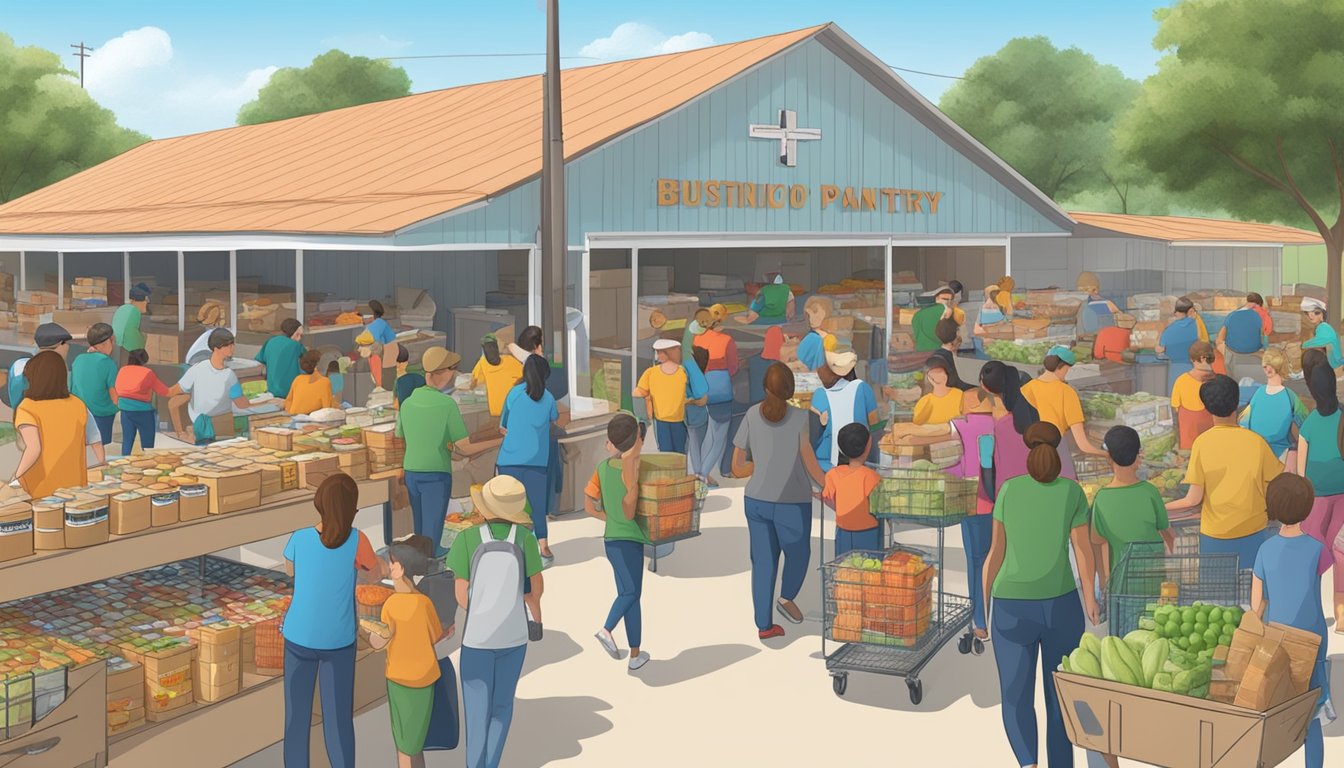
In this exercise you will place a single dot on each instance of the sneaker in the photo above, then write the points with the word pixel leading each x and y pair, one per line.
pixel 789 610
pixel 639 661
pixel 547 561
pixel 608 644
pixel 774 631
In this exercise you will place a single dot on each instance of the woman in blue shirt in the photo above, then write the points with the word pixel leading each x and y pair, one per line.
pixel 845 400
pixel 1274 409
pixel 529 412
pixel 1176 340
pixel 1324 337
pixel 1319 451
pixel 383 334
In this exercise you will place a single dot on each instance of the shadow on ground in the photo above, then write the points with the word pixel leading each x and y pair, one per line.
pixel 554 728
pixel 693 663
pixel 553 648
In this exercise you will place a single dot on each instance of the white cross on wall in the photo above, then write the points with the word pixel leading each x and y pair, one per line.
pixel 787 133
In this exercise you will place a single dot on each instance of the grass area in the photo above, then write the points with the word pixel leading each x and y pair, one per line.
pixel 7 433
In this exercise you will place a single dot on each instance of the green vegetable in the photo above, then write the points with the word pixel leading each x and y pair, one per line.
pixel 1162 681
pixel 1091 643
pixel 1153 657
pixel 1084 663
pixel 1181 682
pixel 1116 662
pixel 1139 639
pixel 1064 665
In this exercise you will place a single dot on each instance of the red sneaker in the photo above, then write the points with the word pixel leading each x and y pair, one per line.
pixel 774 631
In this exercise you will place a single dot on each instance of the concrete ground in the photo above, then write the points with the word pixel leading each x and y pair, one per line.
pixel 713 693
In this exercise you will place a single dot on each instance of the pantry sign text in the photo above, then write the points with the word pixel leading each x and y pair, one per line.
pixel 745 194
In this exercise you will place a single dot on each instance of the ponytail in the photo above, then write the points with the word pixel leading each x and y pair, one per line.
pixel 1001 379
pixel 1043 462
pixel 779 386
pixel 1321 383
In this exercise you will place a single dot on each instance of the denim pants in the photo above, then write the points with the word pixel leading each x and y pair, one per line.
pixel 429 493
pixel 489 682
pixel 336 669
pixel 671 436
pixel 775 528
pixel 866 541
pixel 1024 632
pixel 976 531
pixel 536 482
pixel 716 438
pixel 1245 547
pixel 105 427
pixel 142 423
pixel 696 437
pixel 627 563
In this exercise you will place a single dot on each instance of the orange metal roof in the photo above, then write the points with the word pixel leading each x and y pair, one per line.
pixel 1178 229
pixel 374 168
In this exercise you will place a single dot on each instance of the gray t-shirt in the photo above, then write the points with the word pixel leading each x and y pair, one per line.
pixel 779 476
pixel 212 389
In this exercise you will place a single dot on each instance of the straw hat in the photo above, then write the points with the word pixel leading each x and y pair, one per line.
pixel 841 363
pixel 438 358
pixel 503 499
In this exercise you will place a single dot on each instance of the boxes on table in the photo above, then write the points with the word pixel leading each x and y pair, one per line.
pixel 231 490
pixel 167 676
pixel 125 695
pixel 128 513
pixel 354 461
pixel 16 530
pixel 217 673
pixel 86 522
pixel 165 508
pixel 316 467
pixel 49 523
pixel 193 502
pixel 277 438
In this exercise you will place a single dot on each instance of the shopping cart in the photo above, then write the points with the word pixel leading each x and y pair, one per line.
pixel 1147 576
pixel 667 522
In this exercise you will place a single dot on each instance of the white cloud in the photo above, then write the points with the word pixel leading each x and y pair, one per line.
pixel 633 40
pixel 138 76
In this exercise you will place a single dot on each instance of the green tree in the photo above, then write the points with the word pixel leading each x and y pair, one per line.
pixel 49 127
pixel 1048 112
pixel 334 80
pixel 1246 113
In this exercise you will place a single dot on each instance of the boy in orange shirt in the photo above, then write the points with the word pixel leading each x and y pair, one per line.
pixel 847 489
pixel 1192 419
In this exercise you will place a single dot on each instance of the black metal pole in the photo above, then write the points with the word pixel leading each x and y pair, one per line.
pixel 553 241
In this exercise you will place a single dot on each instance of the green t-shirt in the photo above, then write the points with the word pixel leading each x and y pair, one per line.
pixel 429 421
pixel 612 485
pixel 464 547
pixel 1037 519
pixel 775 299
pixel 280 354
pixel 91 375
pixel 1325 469
pixel 1127 515
pixel 126 327
pixel 924 323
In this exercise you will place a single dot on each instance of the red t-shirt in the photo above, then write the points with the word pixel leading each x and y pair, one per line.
pixel 137 382
pixel 1110 343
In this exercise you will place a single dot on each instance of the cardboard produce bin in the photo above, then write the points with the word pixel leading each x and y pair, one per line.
pixel 1168 729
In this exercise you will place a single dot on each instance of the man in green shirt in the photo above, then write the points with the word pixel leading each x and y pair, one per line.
pixel 925 322
pixel 1129 510
pixel 773 304
pixel 430 422
pixel 280 354
pixel 93 378
pixel 126 321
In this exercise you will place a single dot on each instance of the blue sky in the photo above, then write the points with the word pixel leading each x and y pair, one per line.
pixel 169 68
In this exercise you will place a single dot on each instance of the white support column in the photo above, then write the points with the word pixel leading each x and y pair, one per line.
pixel 1008 256
pixel 298 283
pixel 60 279
pixel 233 291
pixel 125 276
pixel 585 289
pixel 23 270
pixel 634 314
pixel 534 286
pixel 887 269
pixel 181 291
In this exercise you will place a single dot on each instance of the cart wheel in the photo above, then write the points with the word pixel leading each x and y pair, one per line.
pixel 916 691
pixel 978 646
pixel 839 683
pixel 964 645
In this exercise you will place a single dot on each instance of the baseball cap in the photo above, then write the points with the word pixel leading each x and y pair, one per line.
pixel 841 363
pixel 1313 305
pixel 438 358
pixel 98 333
pixel 1063 353
pixel 139 292
pixel 662 344
pixel 49 335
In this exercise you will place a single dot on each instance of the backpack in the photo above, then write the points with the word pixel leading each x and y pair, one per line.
pixel 496 618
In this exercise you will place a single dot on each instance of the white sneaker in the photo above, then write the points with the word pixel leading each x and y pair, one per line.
pixel 639 661
pixel 608 644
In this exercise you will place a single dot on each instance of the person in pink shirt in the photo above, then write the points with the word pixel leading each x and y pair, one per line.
pixel 977 529
pixel 136 387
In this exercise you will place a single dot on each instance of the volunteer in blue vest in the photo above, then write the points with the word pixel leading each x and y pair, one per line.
pixel 1242 339
pixel 49 337
pixel 431 424
pixel 1323 336
pixel 492 561
pixel 773 304
pixel 93 379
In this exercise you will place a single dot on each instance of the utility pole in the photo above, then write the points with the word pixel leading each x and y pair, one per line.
pixel 82 51
pixel 554 245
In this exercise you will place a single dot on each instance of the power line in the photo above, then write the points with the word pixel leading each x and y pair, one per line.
pixel 930 74
pixel 480 56
pixel 81 51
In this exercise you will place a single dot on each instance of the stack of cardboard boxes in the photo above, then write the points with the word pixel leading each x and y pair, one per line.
pixel 34 308
pixel 386 450
pixel 88 293
pixel 167 679
pixel 125 695
pixel 217 674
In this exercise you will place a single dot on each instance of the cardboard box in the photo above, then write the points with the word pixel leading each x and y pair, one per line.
pixel 86 522
pixel 382 436
pixel 1267 681
pixel 193 502
pixel 610 315
pixel 610 278
pixel 1300 646
pixel 231 490
pixel 210 694
pixel 128 513
pixel 1160 728
pixel 316 467
pixel 164 509
pixel 219 635
pixel 216 673
pixel 16 531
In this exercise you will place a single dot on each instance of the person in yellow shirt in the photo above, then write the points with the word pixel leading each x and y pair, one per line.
pixel 943 402
pixel 55 427
pixel 664 386
pixel 410 630
pixel 1230 468
pixel 1059 404
pixel 1192 418
pixel 498 373
pixel 311 391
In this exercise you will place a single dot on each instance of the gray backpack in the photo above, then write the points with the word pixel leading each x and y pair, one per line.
pixel 496 617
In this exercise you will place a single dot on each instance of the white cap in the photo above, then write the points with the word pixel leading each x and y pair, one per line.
pixel 1312 305
pixel 841 363
pixel 662 344
pixel 779 279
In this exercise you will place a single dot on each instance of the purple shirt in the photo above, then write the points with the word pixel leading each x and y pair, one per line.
pixel 970 428
pixel 1010 452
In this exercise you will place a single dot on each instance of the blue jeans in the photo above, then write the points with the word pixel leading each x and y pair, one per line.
pixel 671 436
pixel 848 541
pixel 627 562
pixel 303 667
pixel 535 481
pixel 105 427
pixel 774 528
pixel 976 531
pixel 696 437
pixel 1320 678
pixel 716 438
pixel 1025 631
pixel 1245 548
pixel 143 423
pixel 429 492
pixel 489 682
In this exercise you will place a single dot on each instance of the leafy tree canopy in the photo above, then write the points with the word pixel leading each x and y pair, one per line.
pixel 334 80
pixel 49 127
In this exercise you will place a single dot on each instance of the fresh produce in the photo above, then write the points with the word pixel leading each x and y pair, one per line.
pixel 1154 656
pixel 1119 662
pixel 1197 628
pixel 1084 662
pixel 1141 659
pixel 1012 352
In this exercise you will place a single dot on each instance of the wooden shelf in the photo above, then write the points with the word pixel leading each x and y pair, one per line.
pixel 49 571
pixel 225 732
